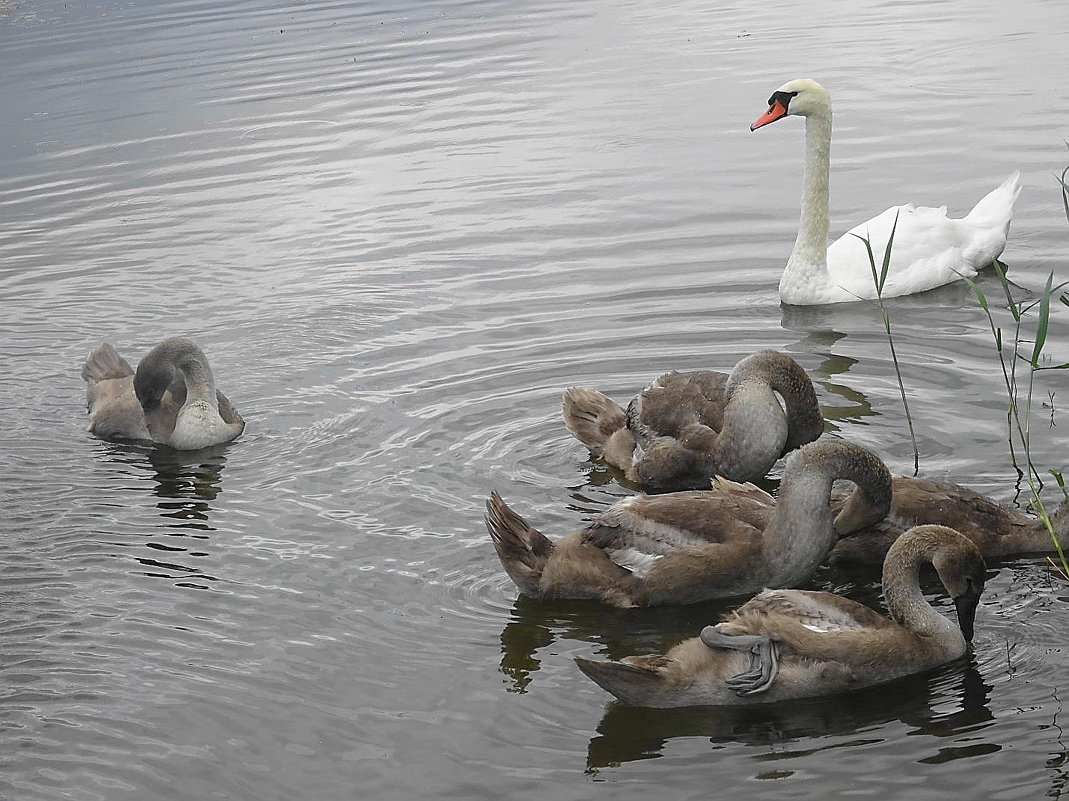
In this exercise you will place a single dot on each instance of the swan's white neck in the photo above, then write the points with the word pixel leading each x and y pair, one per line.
pixel 806 278
pixel 812 243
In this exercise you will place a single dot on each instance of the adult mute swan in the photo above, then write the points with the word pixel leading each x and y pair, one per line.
pixel 929 249
pixel 170 400
pixel 686 547
pixel 685 428
pixel 786 644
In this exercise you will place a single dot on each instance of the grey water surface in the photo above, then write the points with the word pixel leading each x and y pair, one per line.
pixel 400 230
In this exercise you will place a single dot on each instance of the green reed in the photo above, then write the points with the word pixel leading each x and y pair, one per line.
pixel 879 278
pixel 1012 353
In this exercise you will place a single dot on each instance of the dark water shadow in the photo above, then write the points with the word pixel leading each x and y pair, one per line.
pixel 1058 762
pixel 187 482
pixel 186 485
pixel 538 623
pixel 626 733
pixel 821 329
pixel 856 404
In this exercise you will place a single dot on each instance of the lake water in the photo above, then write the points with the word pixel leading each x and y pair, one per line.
pixel 400 231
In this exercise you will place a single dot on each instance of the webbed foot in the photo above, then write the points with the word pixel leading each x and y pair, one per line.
pixel 764 661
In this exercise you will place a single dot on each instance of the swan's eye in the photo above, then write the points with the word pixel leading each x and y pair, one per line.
pixel 783 98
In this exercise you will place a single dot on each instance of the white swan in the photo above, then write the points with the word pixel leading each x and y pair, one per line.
pixel 171 400
pixel 929 249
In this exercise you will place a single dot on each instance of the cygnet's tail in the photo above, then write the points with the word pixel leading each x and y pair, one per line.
pixel 630 683
pixel 599 423
pixel 995 209
pixel 523 550
pixel 105 363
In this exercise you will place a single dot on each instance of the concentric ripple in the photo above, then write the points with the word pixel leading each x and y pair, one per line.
pixel 399 233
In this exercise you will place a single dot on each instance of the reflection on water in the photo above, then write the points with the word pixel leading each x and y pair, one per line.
pixel 1058 763
pixel 536 624
pixel 186 484
pixel 193 476
pixel 819 342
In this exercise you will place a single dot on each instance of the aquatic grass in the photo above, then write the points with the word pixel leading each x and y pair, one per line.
pixel 879 279
pixel 1018 421
pixel 1011 354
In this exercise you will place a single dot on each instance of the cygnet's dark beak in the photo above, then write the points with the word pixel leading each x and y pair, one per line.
pixel 965 605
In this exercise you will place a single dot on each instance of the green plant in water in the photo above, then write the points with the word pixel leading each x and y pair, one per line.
pixel 879 278
pixel 1018 420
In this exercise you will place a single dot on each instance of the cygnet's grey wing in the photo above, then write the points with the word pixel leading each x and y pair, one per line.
pixel 816 611
pixel 659 524
pixel 676 400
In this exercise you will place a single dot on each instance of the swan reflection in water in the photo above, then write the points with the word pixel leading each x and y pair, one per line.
pixel 820 329
pixel 818 343
pixel 188 481
pixel 185 484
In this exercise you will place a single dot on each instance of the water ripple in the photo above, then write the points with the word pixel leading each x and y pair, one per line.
pixel 400 233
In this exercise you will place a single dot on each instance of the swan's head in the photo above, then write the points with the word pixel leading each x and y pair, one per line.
pixel 802 97
pixel 962 570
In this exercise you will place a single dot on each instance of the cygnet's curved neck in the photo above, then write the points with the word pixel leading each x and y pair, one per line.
pixel 902 594
pixel 200 384
pixel 802 530
pixel 804 420
pixel 811 246
pixel 164 364
pixel 752 433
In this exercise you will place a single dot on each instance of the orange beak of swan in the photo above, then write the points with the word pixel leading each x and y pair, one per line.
pixel 775 111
